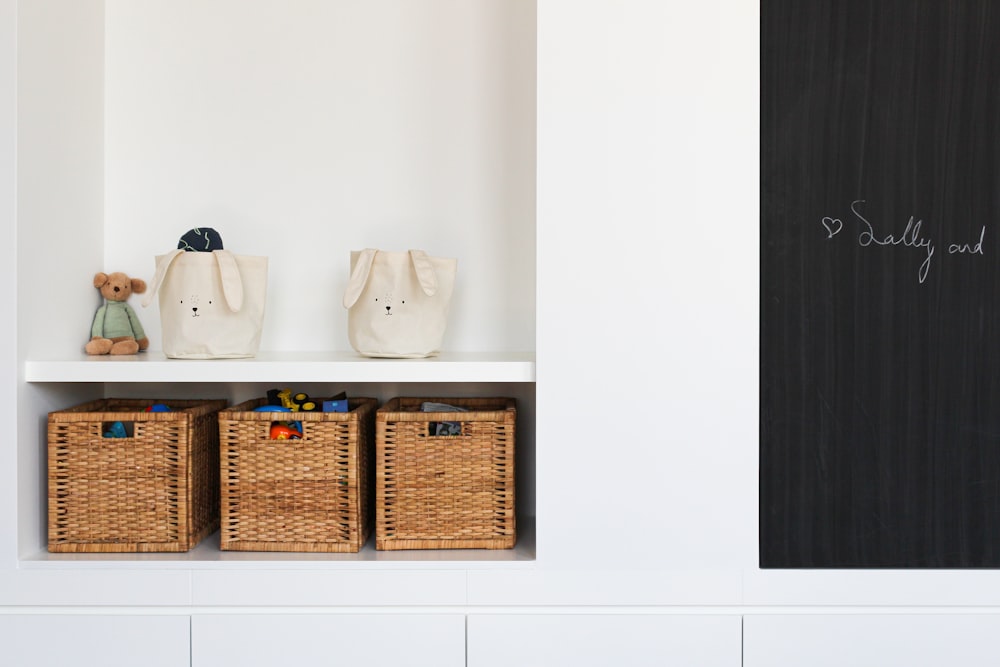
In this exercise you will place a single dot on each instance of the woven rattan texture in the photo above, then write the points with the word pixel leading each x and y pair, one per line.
pixel 312 494
pixel 157 490
pixel 449 491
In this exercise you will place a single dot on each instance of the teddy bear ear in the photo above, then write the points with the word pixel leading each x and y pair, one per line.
pixel 100 280
pixel 138 285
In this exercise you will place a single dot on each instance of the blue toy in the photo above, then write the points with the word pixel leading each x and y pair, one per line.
pixel 335 406
pixel 116 430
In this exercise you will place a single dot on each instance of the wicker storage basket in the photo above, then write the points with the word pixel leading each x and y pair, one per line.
pixel 445 491
pixel 311 494
pixel 156 490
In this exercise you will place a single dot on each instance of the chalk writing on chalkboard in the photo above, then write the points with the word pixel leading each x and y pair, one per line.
pixel 914 236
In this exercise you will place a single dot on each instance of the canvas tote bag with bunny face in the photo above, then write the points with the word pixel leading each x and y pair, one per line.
pixel 398 302
pixel 211 303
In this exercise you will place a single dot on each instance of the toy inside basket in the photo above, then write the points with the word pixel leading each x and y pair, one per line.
pixel 445 479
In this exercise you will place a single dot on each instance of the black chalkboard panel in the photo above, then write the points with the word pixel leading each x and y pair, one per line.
pixel 880 284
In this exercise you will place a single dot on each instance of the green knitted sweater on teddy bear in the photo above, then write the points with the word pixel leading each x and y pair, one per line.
pixel 115 319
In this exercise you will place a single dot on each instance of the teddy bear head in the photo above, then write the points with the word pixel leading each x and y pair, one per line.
pixel 118 286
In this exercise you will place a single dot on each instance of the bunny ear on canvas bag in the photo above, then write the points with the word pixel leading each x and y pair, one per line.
pixel 426 273
pixel 398 302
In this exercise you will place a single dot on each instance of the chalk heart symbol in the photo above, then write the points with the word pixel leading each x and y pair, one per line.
pixel 833 226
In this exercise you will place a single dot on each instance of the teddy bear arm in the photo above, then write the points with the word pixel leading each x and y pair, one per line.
pixel 97 328
pixel 133 319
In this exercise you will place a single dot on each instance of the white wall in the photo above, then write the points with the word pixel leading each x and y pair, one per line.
pixel 303 130
pixel 9 364
pixel 59 205
pixel 60 153
pixel 647 245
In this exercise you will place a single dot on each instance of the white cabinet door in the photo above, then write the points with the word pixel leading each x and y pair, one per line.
pixel 372 640
pixel 95 641
pixel 865 640
pixel 584 640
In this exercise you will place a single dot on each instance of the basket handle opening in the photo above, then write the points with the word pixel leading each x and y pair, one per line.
pixel 286 430
pixel 118 429
pixel 445 429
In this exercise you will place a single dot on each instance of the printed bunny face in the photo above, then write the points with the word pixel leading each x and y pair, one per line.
pixel 395 306
pixel 389 303
pixel 197 307
pixel 202 312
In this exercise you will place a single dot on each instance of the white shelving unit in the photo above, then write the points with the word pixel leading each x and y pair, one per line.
pixel 300 133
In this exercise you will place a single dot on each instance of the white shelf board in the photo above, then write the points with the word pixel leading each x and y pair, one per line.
pixel 288 366
pixel 207 555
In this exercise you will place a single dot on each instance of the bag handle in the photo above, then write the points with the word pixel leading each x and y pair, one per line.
pixel 359 276
pixel 162 264
pixel 232 284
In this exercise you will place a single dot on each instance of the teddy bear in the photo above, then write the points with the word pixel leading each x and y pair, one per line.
pixel 116 328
